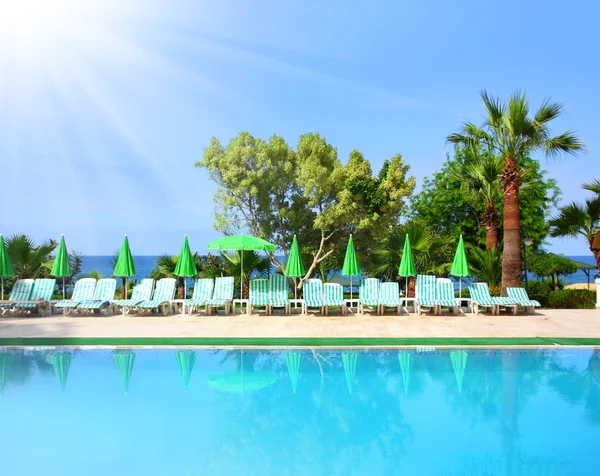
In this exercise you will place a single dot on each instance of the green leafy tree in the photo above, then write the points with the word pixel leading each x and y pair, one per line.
pixel 486 266
pixel 274 192
pixel 510 131
pixel 254 264
pixel 30 260
pixel 552 266
pixel 575 220
pixel 446 203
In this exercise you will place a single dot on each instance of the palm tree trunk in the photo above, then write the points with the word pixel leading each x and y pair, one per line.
pixel 511 260
pixel 180 288
pixel 597 258
pixel 491 227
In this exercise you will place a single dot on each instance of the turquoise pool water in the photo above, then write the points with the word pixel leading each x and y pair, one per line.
pixel 321 412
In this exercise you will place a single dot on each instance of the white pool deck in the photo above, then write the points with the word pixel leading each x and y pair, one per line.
pixel 545 323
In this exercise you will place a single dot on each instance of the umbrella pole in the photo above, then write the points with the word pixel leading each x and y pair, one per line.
pixel 3 289
pixel 242 276
pixel 63 288
pixel 295 289
pixel 350 289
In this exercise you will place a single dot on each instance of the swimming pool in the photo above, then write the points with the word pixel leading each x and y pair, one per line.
pixel 293 412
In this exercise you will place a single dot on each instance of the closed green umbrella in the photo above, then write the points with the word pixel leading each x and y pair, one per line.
pixel 61 362
pixel 241 380
pixel 407 263
pixel 459 363
pixel 125 268
pixel 186 266
pixel 460 267
pixel 350 267
pixel 405 360
pixel 185 361
pixel 349 359
pixel 6 269
pixel 241 243
pixel 294 267
pixel 62 266
pixel 124 361
pixel 5 358
pixel 293 360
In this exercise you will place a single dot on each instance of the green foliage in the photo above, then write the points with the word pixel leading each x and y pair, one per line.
pixel 572 299
pixel 253 263
pixel 274 192
pixel 432 253
pixel 486 266
pixel 447 201
pixel 95 274
pixel 550 265
pixel 540 291
pixel 30 260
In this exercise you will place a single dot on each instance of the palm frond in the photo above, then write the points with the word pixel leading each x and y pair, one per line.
pixel 593 187
pixel 547 112
pixel 567 142
pixel 494 107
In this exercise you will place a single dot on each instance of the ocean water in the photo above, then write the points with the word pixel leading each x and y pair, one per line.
pixel 284 412
pixel 145 264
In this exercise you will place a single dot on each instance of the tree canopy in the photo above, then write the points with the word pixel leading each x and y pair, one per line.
pixel 272 191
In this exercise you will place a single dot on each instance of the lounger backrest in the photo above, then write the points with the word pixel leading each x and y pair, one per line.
pixel 279 288
pixel 43 289
pixel 84 289
pixel 313 290
pixel 370 289
pixel 480 292
pixel 203 289
pixel 389 292
pixel 105 290
pixel 444 289
pixel 259 292
pixel 518 294
pixel 143 290
pixel 165 290
pixel 21 290
pixel 334 294
pixel 224 288
pixel 425 288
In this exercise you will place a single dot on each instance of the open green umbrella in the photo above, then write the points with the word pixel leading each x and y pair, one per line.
pixel 62 266
pixel 405 360
pixel 241 243
pixel 124 359
pixel 293 360
pixel 350 267
pixel 61 362
pixel 186 266
pixel 185 361
pixel 459 363
pixel 241 380
pixel 5 358
pixel 407 263
pixel 124 268
pixel 6 269
pixel 294 267
pixel 460 267
pixel 349 359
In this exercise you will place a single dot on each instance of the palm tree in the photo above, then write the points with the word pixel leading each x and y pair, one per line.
pixel 513 133
pixel 253 263
pixel 28 259
pixel 486 266
pixel 481 184
pixel 593 187
pixel 575 220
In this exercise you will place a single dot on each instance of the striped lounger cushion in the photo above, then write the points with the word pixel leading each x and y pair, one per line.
pixel 203 291
pixel 84 291
pixel 104 294
pixel 369 292
pixel 313 293
pixel 43 289
pixel 389 294
pixel 141 292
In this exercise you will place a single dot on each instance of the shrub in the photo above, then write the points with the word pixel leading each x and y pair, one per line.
pixel 540 291
pixel 572 299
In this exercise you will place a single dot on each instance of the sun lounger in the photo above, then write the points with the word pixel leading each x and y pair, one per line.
pixel 83 291
pixel 203 292
pixel 141 292
pixel 163 295
pixel 40 298
pixel 223 295
pixel 333 295
pixel 425 294
pixel 520 296
pixel 313 295
pixel 259 295
pixel 101 302
pixel 389 296
pixel 368 294
pixel 279 293
pixel 480 296
pixel 20 292
pixel 444 296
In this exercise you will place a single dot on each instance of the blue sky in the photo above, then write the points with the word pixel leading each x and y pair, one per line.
pixel 105 106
